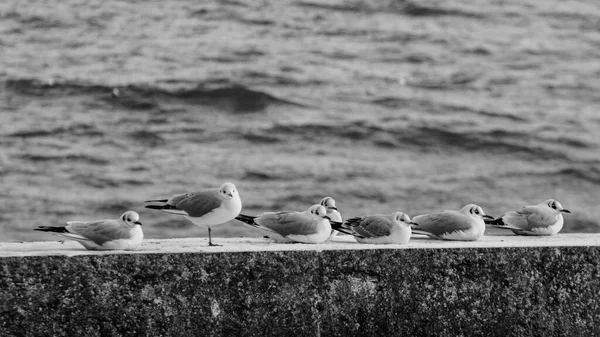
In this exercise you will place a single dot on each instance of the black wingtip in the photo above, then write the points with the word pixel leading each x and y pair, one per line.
pixel 161 200
pixel 494 222
pixel 51 229
pixel 155 206
pixel 339 226
pixel 246 219
pixel 336 225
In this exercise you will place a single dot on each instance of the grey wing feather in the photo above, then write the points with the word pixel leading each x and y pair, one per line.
pixel 442 222
pixel 199 203
pixel 99 231
pixel 174 200
pixel 529 217
pixel 289 223
pixel 373 226
pixel 526 210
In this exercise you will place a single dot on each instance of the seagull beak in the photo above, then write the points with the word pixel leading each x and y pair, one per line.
pixel 326 217
pixel 333 207
pixel 489 217
pixel 413 223
pixel 230 194
pixel 137 223
pixel 565 211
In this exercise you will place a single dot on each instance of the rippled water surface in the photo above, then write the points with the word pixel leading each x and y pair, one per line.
pixel 415 106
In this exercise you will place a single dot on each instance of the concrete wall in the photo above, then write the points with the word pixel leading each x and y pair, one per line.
pixel 491 290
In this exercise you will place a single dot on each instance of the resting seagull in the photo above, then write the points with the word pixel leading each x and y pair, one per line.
pixel 381 229
pixel 542 219
pixel 332 212
pixel 310 226
pixel 205 208
pixel 124 233
pixel 464 225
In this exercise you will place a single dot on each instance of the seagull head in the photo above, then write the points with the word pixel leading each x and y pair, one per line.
pixel 131 219
pixel 556 206
pixel 329 203
pixel 403 219
pixel 476 211
pixel 318 210
pixel 228 190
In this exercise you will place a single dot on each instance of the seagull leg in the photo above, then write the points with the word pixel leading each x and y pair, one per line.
pixel 210 240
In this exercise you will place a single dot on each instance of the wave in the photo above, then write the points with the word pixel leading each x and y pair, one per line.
pixel 147 138
pixel 419 9
pixel 439 107
pixel 232 97
pixel 590 173
pixel 418 138
pixel 258 137
pixel 410 8
pixel 36 21
pixel 65 157
pixel 575 172
pixel 75 129
pixel 493 142
pixel 96 181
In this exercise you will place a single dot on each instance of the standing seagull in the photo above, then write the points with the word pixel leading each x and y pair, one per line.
pixel 464 225
pixel 205 208
pixel 310 226
pixel 391 228
pixel 542 219
pixel 123 233
pixel 332 212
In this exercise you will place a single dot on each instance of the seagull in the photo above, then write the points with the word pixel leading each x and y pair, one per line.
pixel 124 233
pixel 391 228
pixel 310 226
pixel 205 208
pixel 464 225
pixel 542 219
pixel 332 212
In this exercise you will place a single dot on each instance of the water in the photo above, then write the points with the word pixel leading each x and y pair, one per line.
pixel 385 106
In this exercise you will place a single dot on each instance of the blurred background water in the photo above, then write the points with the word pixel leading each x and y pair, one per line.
pixel 413 106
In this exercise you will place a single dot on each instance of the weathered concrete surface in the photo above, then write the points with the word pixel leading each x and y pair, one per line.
pixel 500 286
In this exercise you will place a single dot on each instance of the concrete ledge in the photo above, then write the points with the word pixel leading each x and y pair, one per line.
pixel 341 242
pixel 500 286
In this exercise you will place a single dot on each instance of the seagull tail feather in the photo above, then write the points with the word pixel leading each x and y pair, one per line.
pixel 416 230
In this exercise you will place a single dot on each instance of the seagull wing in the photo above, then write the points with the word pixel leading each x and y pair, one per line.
pixel 530 217
pixel 442 223
pixel 293 223
pixel 373 226
pixel 99 231
pixel 197 204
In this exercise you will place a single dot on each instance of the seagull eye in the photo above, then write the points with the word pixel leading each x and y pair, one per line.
pixel 476 211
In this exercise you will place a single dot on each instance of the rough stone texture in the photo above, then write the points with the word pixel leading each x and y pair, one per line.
pixel 502 291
